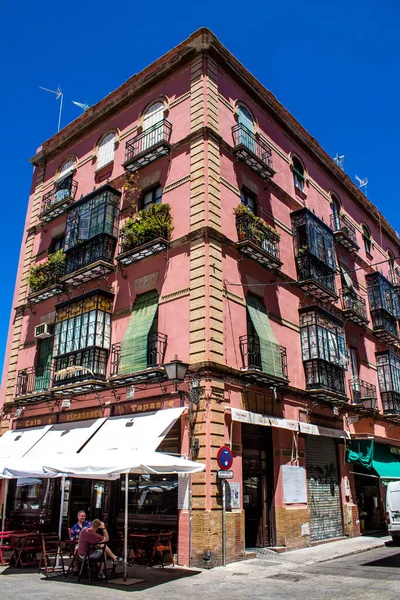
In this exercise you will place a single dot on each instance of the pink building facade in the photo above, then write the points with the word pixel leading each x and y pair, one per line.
pixel 257 262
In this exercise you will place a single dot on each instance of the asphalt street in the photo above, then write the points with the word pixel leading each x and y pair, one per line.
pixel 367 575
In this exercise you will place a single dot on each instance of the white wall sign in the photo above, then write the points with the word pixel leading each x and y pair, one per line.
pixel 234 500
pixel 294 484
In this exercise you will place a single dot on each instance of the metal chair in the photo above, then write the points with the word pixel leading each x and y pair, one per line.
pixel 93 564
pixel 162 545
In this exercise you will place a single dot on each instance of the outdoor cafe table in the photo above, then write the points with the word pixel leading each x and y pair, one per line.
pixel 141 542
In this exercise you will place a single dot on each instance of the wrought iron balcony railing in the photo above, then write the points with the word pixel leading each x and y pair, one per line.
pixel 322 375
pixel 253 151
pixel 148 145
pixel 258 242
pixel 251 358
pixel 56 201
pixel 156 346
pixel 344 232
pixel 80 366
pixel 34 381
pixel 99 248
pixel 315 276
pixel 363 393
pixel 354 306
pixel 391 403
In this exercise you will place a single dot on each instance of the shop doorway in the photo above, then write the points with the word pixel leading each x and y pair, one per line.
pixel 368 498
pixel 257 484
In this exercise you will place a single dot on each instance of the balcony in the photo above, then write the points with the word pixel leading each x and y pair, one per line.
pixel 354 307
pixel 395 279
pixel 148 146
pixel 156 346
pixel 391 403
pixel 44 279
pixel 89 259
pixel 364 394
pixel 34 383
pixel 145 234
pixel 325 381
pixel 315 277
pixel 56 202
pixel 253 151
pixel 252 363
pixel 344 232
pixel 385 327
pixel 257 241
pixel 80 371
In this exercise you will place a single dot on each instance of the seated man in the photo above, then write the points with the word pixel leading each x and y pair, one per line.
pixel 89 535
pixel 77 528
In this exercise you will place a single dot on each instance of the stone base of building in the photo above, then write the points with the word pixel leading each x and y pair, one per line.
pixel 291 525
pixel 207 538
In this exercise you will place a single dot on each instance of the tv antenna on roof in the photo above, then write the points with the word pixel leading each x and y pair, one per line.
pixel 81 105
pixel 59 94
pixel 362 183
pixel 339 160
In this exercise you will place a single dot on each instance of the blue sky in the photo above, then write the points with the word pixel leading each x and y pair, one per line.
pixel 334 65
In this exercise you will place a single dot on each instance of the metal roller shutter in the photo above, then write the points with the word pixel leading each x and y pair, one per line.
pixel 323 488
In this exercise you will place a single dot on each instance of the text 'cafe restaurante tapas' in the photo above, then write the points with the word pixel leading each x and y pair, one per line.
pixel 155 502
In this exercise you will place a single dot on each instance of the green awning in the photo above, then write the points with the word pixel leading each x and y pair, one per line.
pixel 269 347
pixel 377 458
pixel 134 345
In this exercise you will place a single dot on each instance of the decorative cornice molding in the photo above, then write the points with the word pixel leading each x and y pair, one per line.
pixel 180 99
pixel 175 184
pixel 174 295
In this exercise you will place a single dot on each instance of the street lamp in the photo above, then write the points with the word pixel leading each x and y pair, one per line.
pixel 176 371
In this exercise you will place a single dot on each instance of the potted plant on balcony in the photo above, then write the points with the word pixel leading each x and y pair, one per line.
pixel 46 273
pixel 147 225
pixel 250 226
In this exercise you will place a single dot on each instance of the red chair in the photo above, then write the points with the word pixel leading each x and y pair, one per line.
pixel 4 546
pixel 162 545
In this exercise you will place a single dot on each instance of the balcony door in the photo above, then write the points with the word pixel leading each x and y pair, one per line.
pixel 247 131
pixel 154 115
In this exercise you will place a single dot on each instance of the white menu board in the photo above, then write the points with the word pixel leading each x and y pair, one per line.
pixel 294 484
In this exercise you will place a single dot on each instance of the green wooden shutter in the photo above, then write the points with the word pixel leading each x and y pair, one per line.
pixel 133 350
pixel 43 365
pixel 269 346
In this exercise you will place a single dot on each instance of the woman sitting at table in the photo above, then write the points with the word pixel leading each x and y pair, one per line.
pixel 75 531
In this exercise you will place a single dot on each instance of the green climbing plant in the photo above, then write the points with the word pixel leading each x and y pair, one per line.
pixel 255 226
pixel 48 272
pixel 147 225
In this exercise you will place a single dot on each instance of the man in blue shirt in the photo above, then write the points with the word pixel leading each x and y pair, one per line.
pixel 75 531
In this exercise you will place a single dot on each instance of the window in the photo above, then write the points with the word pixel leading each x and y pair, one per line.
pixel 57 244
pixel 392 268
pixel 153 196
pixel 153 124
pixel 322 338
pixel 353 363
pixel 298 174
pixel 388 365
pixel 83 324
pixel 367 239
pixel 336 214
pixel 67 169
pixel 263 350
pixel 30 493
pixel 105 154
pixel 246 128
pixel 99 214
pixel 151 494
pixel 248 199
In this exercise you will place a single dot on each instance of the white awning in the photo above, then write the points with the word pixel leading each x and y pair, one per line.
pixel 143 432
pixel 17 442
pixel 65 438
pixel 325 431
pixel 245 416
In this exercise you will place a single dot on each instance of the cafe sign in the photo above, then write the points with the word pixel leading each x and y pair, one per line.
pixel 39 421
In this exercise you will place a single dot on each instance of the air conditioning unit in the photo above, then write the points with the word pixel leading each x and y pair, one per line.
pixel 45 330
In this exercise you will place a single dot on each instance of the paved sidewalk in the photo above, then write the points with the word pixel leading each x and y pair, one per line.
pixel 327 550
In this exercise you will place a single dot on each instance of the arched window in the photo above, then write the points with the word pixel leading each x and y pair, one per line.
pixel 367 239
pixel 105 154
pixel 246 128
pixel 66 169
pixel 392 267
pixel 298 174
pixel 153 123
pixel 335 214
